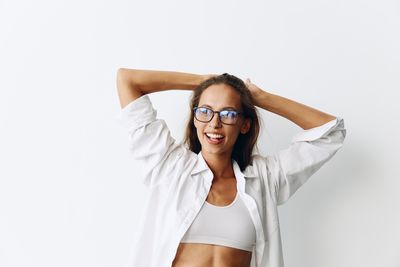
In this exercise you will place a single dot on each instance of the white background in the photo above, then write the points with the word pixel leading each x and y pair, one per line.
pixel 69 191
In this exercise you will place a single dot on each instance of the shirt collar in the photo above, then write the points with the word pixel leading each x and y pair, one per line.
pixel 201 165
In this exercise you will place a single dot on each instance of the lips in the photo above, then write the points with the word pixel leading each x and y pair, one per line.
pixel 214 140
pixel 215 133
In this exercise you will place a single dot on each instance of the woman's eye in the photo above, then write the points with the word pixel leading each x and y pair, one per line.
pixel 228 114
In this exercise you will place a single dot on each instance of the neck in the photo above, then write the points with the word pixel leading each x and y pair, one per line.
pixel 220 164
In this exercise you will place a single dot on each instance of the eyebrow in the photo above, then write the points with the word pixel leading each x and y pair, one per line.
pixel 205 105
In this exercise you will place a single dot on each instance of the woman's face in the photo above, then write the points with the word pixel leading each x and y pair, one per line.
pixel 219 97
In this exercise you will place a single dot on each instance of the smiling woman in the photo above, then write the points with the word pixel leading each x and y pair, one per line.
pixel 212 201
pixel 227 96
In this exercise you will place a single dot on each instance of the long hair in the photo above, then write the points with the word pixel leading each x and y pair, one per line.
pixel 245 143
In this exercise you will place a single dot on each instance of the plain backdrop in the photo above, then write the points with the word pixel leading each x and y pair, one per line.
pixel 69 190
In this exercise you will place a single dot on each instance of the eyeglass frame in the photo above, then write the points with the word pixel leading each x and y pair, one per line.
pixel 219 115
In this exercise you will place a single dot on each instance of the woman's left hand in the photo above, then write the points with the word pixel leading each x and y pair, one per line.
pixel 254 89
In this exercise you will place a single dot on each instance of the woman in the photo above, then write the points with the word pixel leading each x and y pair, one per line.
pixel 212 202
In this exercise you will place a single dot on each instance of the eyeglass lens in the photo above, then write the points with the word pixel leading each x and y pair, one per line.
pixel 226 116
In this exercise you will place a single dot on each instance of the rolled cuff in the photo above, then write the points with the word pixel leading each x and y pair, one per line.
pixel 319 131
pixel 137 113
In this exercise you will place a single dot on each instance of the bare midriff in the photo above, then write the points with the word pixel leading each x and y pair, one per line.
pixel 207 255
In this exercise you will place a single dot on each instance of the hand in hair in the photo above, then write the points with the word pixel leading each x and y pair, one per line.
pixel 208 76
pixel 254 89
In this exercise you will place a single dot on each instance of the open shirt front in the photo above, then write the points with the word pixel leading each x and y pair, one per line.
pixel 179 180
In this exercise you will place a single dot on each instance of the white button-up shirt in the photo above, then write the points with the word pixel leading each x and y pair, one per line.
pixel 179 181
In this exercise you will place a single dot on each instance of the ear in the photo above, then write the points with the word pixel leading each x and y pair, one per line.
pixel 245 126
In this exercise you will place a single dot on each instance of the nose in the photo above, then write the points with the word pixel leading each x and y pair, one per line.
pixel 215 122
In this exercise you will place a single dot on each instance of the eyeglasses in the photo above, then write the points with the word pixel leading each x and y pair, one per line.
pixel 204 114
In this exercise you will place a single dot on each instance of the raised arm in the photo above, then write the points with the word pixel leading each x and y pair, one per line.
pixel 322 136
pixel 304 116
pixel 133 83
pixel 150 140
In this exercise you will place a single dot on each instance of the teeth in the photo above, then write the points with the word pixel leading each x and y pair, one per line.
pixel 214 135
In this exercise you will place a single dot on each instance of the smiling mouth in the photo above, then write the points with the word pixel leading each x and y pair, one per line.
pixel 214 140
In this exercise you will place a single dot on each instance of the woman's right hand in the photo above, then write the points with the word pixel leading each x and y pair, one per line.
pixel 208 76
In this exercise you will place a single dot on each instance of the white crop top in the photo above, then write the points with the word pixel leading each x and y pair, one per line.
pixel 229 225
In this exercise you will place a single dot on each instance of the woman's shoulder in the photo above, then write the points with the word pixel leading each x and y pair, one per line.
pixel 256 164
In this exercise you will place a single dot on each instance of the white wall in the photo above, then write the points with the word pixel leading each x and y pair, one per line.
pixel 69 194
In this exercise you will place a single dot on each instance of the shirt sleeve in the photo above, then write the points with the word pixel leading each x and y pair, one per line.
pixel 309 150
pixel 150 141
